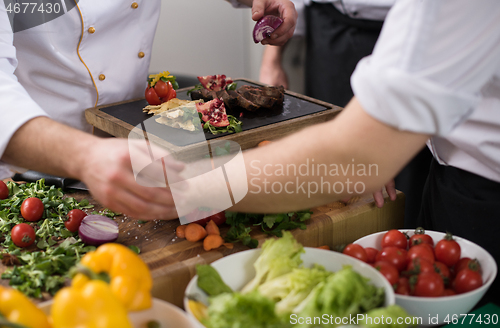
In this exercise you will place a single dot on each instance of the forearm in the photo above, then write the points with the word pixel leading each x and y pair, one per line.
pixel 353 154
pixel 272 55
pixel 48 146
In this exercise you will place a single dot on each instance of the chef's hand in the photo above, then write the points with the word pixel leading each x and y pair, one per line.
pixel 379 197
pixel 283 8
pixel 109 175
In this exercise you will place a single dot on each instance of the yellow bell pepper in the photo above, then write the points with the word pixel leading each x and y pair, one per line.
pixel 130 279
pixel 92 305
pixel 18 309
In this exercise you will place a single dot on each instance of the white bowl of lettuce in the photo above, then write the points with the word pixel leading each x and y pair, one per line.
pixel 286 285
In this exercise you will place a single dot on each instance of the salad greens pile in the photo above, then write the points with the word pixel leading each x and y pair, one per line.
pixel 45 270
pixel 233 127
pixel 271 224
pixel 283 288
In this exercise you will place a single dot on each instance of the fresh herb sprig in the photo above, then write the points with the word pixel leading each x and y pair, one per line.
pixel 272 224
pixel 46 271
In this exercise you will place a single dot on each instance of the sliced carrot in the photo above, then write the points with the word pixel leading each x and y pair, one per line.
pixel 212 228
pixel 324 247
pixel 195 232
pixel 212 242
pixel 181 231
pixel 263 143
pixel 229 245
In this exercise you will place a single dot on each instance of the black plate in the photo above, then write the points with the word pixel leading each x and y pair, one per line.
pixel 132 113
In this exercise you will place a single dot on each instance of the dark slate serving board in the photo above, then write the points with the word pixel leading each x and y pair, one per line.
pixel 131 113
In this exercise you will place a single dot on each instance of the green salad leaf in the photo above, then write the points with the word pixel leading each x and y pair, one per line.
pixel 279 256
pixel 249 310
pixel 210 281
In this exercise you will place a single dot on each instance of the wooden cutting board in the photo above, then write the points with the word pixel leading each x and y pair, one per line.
pixel 172 260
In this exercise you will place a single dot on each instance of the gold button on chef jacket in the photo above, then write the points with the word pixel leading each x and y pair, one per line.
pixel 60 69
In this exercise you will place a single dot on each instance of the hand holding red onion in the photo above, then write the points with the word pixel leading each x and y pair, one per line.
pixel 265 26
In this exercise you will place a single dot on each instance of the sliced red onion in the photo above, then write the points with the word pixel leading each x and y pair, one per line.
pixel 96 230
pixel 265 26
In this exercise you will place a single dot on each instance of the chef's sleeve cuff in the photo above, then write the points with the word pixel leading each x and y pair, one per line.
pixel 409 102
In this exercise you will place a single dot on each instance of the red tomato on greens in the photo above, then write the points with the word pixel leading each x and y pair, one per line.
pixel 23 235
pixel 75 218
pixel 356 251
pixel 32 209
pixel 395 238
pixel 151 97
pixel 162 88
pixel 4 190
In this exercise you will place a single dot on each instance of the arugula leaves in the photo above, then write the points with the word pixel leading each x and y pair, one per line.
pixel 233 127
pixel 46 270
pixel 272 224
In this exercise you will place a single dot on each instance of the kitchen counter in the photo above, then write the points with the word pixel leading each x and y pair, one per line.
pixel 172 260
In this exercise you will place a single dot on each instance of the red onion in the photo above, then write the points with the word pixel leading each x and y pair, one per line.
pixel 265 26
pixel 96 230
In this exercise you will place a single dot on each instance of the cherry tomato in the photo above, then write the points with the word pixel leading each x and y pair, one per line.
pixel 172 94
pixel 196 215
pixel 443 271
pixel 403 287
pixel 447 251
pixel 394 255
pixel 388 270
pixel 4 190
pixel 421 238
pixel 428 284
pixel 218 218
pixel 467 262
pixel 421 251
pixel 467 280
pixel 23 235
pixel 371 254
pixel 151 97
pixel 394 238
pixel 162 88
pixel 32 209
pixel 356 251
pixel 75 218
pixel 419 265
pixel 449 292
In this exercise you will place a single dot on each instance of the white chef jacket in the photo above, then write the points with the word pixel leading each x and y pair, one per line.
pixel 436 70
pixel 95 54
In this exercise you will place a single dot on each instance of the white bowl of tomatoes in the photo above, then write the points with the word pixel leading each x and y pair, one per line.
pixel 439 277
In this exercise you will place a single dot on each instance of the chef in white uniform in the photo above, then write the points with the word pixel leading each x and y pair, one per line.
pixel 97 53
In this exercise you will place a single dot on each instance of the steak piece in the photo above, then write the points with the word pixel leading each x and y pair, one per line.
pixel 242 101
pixel 246 97
pixel 266 97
